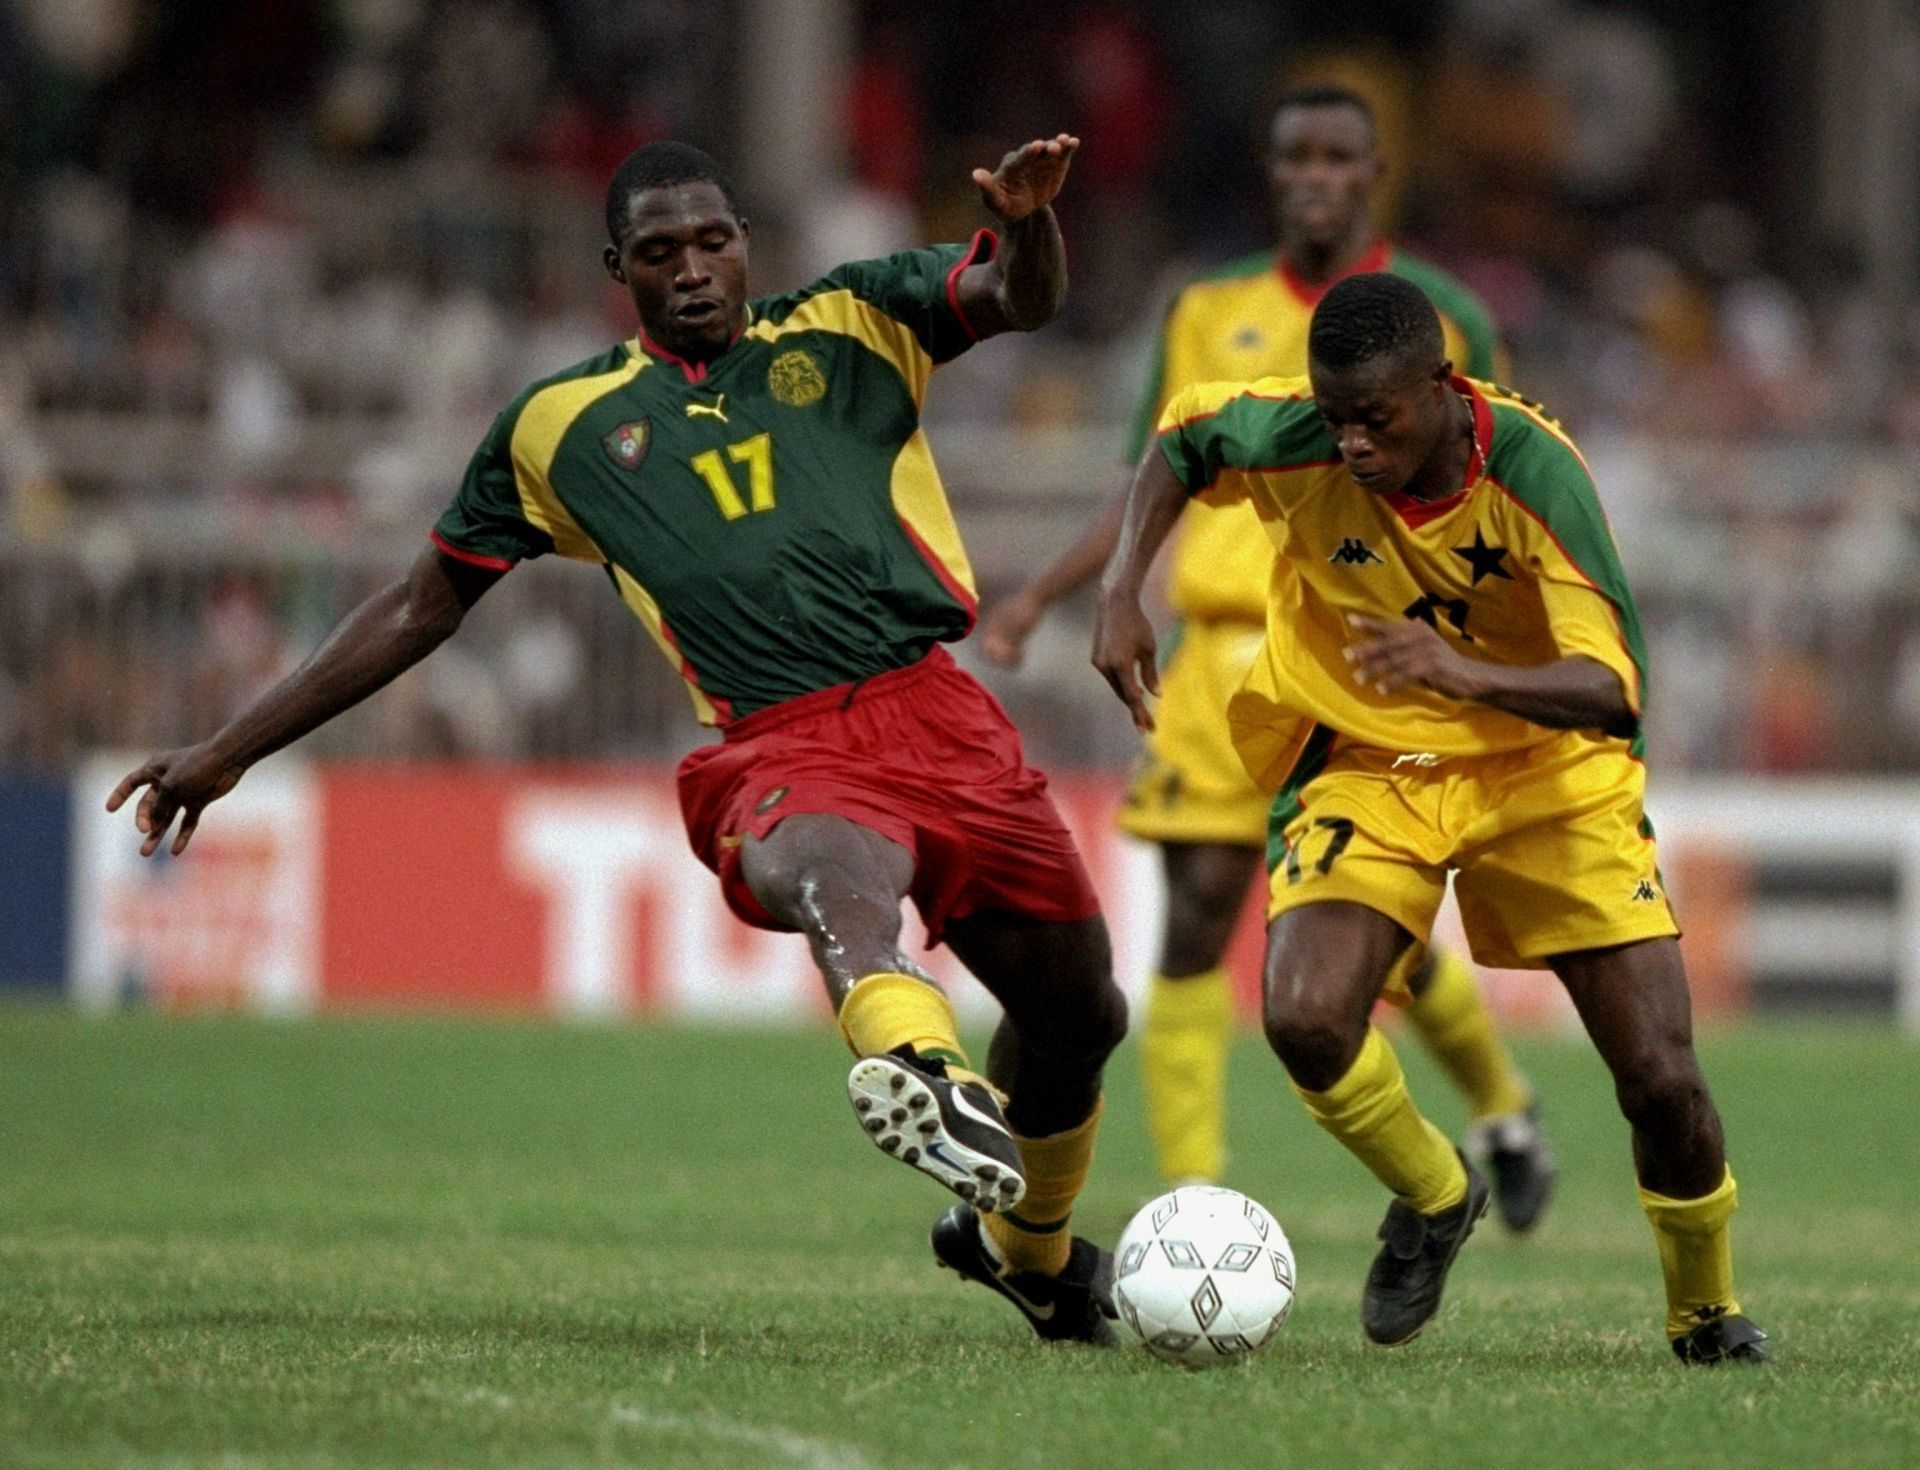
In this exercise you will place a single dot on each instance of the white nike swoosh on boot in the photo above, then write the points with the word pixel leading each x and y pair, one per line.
pixel 961 1104
pixel 1045 1314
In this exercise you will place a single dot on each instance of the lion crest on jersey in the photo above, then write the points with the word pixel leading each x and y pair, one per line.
pixel 795 379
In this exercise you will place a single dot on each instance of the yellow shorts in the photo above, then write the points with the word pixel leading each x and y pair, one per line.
pixel 1549 847
pixel 1190 785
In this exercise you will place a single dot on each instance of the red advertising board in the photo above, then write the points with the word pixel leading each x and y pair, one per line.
pixel 573 890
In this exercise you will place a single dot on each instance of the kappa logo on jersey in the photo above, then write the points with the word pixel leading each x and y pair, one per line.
pixel 1353 552
pixel 626 446
pixel 714 410
pixel 795 379
pixel 1645 892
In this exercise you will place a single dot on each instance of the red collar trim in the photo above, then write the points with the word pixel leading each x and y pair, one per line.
pixel 1417 513
pixel 1308 293
pixel 696 372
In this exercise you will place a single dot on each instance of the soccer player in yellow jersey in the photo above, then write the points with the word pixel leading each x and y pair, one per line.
pixel 1190 794
pixel 1451 683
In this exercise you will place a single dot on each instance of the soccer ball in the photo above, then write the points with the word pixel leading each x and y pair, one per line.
pixel 1203 1276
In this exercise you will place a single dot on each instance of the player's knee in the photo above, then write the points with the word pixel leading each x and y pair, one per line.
pixel 1313 1041
pixel 1084 1034
pixel 1662 1088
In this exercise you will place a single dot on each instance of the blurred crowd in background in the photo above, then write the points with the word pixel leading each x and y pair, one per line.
pixel 267 270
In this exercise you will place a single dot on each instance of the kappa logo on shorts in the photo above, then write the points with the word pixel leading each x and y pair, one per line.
pixel 771 800
pixel 627 445
pixel 1644 892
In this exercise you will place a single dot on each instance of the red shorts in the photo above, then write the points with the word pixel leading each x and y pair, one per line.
pixel 922 755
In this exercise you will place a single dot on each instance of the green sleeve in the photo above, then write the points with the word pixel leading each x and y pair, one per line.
pixel 485 523
pixel 920 290
pixel 1213 427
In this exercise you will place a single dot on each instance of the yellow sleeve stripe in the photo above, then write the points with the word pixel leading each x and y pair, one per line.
pixel 845 313
pixel 643 606
pixel 542 424
pixel 921 504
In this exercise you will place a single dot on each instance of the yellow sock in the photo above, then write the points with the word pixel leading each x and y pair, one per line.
pixel 1372 1113
pixel 1457 1028
pixel 1183 1062
pixel 1035 1237
pixel 1696 1253
pixel 885 1011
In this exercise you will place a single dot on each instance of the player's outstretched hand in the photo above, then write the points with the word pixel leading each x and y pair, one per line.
pixel 1394 653
pixel 1125 655
pixel 1007 625
pixel 180 783
pixel 1028 177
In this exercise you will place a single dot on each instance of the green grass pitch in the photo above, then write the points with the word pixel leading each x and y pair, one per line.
pixel 234 1244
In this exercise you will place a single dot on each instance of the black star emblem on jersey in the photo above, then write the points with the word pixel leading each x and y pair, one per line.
pixel 1484 559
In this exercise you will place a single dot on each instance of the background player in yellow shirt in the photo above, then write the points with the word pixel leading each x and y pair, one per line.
pixel 1190 794
pixel 1463 698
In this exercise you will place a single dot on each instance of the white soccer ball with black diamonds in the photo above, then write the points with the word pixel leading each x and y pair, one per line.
pixel 1203 1276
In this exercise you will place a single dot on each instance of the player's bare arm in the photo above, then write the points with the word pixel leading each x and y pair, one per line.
pixel 1124 650
pixel 377 642
pixel 1020 289
pixel 1574 693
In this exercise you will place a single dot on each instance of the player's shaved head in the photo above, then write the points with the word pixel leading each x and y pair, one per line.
pixel 1383 385
pixel 662 166
pixel 1375 318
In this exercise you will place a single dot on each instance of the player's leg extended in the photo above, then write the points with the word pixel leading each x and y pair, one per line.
pixel 1633 1001
pixel 1188 1024
pixel 841 885
pixel 1451 1018
pixel 1325 965
pixel 1063 1018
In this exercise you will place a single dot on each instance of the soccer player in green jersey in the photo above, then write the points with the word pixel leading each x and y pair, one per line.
pixel 752 478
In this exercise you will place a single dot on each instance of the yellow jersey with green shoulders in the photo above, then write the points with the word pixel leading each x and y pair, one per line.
pixel 1249 320
pixel 773 516
pixel 1516 567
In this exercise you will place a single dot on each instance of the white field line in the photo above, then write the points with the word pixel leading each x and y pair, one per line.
pixel 791 1448
pixel 798 1449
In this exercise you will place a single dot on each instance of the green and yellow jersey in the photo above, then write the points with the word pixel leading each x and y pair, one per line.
pixel 1249 320
pixel 774 516
pixel 1518 567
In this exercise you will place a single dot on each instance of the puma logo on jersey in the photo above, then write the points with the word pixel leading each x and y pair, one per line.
pixel 1645 892
pixel 714 410
pixel 1353 552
